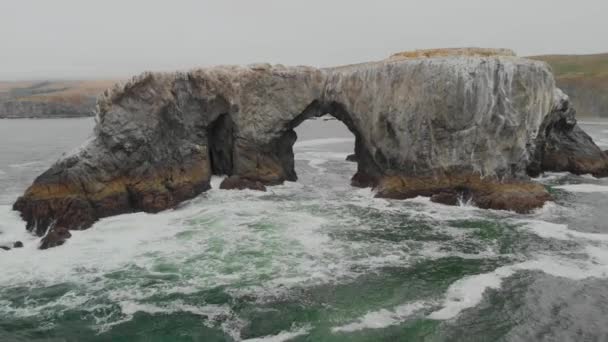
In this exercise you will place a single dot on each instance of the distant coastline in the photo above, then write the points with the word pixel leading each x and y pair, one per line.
pixel 585 79
pixel 50 99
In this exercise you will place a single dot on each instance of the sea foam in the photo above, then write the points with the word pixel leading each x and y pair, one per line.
pixel 583 187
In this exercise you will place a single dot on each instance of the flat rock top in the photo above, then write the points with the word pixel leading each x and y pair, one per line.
pixel 452 52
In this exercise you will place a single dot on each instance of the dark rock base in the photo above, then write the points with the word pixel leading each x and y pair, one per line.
pixel 238 183
pixel 514 195
pixel 562 146
pixel 55 237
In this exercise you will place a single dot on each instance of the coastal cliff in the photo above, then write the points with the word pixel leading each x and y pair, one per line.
pixel 464 124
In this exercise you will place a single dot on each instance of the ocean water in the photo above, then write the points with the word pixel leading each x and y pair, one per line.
pixel 314 260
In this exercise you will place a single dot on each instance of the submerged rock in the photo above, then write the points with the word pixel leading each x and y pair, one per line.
pixel 239 183
pixel 16 244
pixel 424 124
pixel 447 197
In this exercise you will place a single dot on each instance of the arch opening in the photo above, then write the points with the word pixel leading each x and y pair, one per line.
pixel 329 128
pixel 252 165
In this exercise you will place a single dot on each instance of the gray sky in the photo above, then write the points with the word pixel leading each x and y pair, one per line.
pixel 118 38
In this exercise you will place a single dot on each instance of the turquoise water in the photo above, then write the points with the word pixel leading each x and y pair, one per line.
pixel 314 260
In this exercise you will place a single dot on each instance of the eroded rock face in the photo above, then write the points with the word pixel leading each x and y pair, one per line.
pixel 562 145
pixel 439 125
pixel 489 193
pixel 239 183
pixel 55 237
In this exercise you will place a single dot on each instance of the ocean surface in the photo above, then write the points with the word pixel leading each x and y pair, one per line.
pixel 313 260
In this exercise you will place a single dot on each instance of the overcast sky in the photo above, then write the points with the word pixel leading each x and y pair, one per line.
pixel 118 38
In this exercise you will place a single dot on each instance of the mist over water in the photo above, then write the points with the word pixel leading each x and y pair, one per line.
pixel 314 260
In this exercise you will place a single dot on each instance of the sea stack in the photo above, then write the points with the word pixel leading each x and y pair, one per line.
pixel 441 123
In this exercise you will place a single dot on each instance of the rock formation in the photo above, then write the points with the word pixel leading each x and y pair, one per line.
pixel 562 145
pixel 430 124
pixel 16 244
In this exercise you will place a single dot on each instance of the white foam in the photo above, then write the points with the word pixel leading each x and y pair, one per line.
pixel 26 165
pixel 222 238
pixel 251 244
pixel 12 229
pixel 468 292
pixel 586 122
pixel 550 176
pixel 583 188
pixel 383 318
pixel 321 142
pixel 282 336
pixel 316 159
pixel 561 232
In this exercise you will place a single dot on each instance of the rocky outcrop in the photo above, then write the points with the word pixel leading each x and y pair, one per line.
pixel 55 237
pixel 16 244
pixel 239 183
pixel 562 145
pixel 351 158
pixel 445 126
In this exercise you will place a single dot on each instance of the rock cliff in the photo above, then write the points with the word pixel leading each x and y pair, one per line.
pixel 431 124
pixel 562 145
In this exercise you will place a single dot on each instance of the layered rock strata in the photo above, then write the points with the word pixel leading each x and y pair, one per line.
pixel 450 127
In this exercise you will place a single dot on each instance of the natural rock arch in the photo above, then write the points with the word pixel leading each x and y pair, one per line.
pixel 426 124
pixel 281 149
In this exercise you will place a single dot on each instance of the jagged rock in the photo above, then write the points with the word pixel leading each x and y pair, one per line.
pixel 351 158
pixel 56 236
pixel 446 197
pixel 516 195
pixel 422 126
pixel 16 244
pixel 239 183
pixel 562 145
